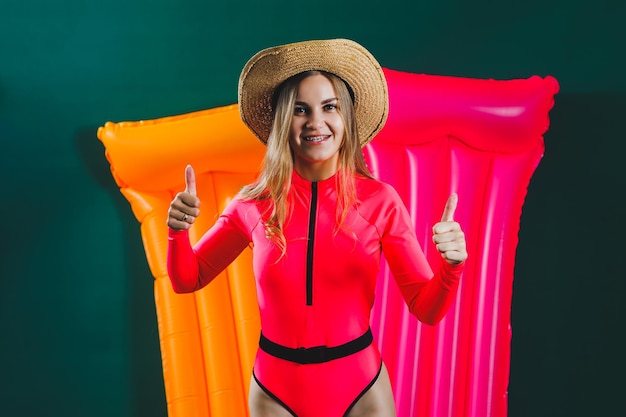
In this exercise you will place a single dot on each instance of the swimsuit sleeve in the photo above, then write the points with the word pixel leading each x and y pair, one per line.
pixel 192 268
pixel 428 295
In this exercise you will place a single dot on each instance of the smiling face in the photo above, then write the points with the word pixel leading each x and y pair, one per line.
pixel 317 129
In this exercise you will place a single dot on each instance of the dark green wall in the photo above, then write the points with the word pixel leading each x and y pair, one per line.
pixel 79 335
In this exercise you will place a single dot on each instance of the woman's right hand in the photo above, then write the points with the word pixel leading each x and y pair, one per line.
pixel 184 209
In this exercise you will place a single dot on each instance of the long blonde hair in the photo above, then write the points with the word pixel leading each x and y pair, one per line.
pixel 274 180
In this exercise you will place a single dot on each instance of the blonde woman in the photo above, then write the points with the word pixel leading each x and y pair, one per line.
pixel 318 222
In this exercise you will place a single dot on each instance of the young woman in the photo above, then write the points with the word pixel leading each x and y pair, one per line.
pixel 318 223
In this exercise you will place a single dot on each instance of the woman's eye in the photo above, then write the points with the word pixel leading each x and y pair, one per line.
pixel 330 107
pixel 299 110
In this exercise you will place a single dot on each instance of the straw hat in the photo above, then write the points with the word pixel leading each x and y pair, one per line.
pixel 345 58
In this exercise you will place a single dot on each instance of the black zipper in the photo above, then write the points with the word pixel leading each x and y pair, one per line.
pixel 309 252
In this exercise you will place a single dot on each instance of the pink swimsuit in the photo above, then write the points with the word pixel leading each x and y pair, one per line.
pixel 316 356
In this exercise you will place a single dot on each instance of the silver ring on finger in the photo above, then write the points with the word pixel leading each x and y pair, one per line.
pixel 184 217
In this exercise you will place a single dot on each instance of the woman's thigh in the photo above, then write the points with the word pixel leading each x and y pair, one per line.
pixel 262 405
pixel 377 401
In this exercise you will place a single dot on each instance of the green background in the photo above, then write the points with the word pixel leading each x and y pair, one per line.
pixel 78 333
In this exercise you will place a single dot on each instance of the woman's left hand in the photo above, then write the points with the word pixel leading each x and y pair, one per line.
pixel 448 236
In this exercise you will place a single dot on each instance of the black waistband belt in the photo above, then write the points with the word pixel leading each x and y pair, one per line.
pixel 317 354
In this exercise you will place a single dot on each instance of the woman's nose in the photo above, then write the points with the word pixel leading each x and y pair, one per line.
pixel 315 120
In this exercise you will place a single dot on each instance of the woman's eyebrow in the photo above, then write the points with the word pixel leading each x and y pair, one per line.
pixel 326 101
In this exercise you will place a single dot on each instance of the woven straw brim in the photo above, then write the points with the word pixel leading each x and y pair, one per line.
pixel 345 58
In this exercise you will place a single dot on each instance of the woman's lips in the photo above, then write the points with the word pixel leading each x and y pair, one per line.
pixel 315 139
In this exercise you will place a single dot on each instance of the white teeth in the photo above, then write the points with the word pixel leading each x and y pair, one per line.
pixel 314 138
